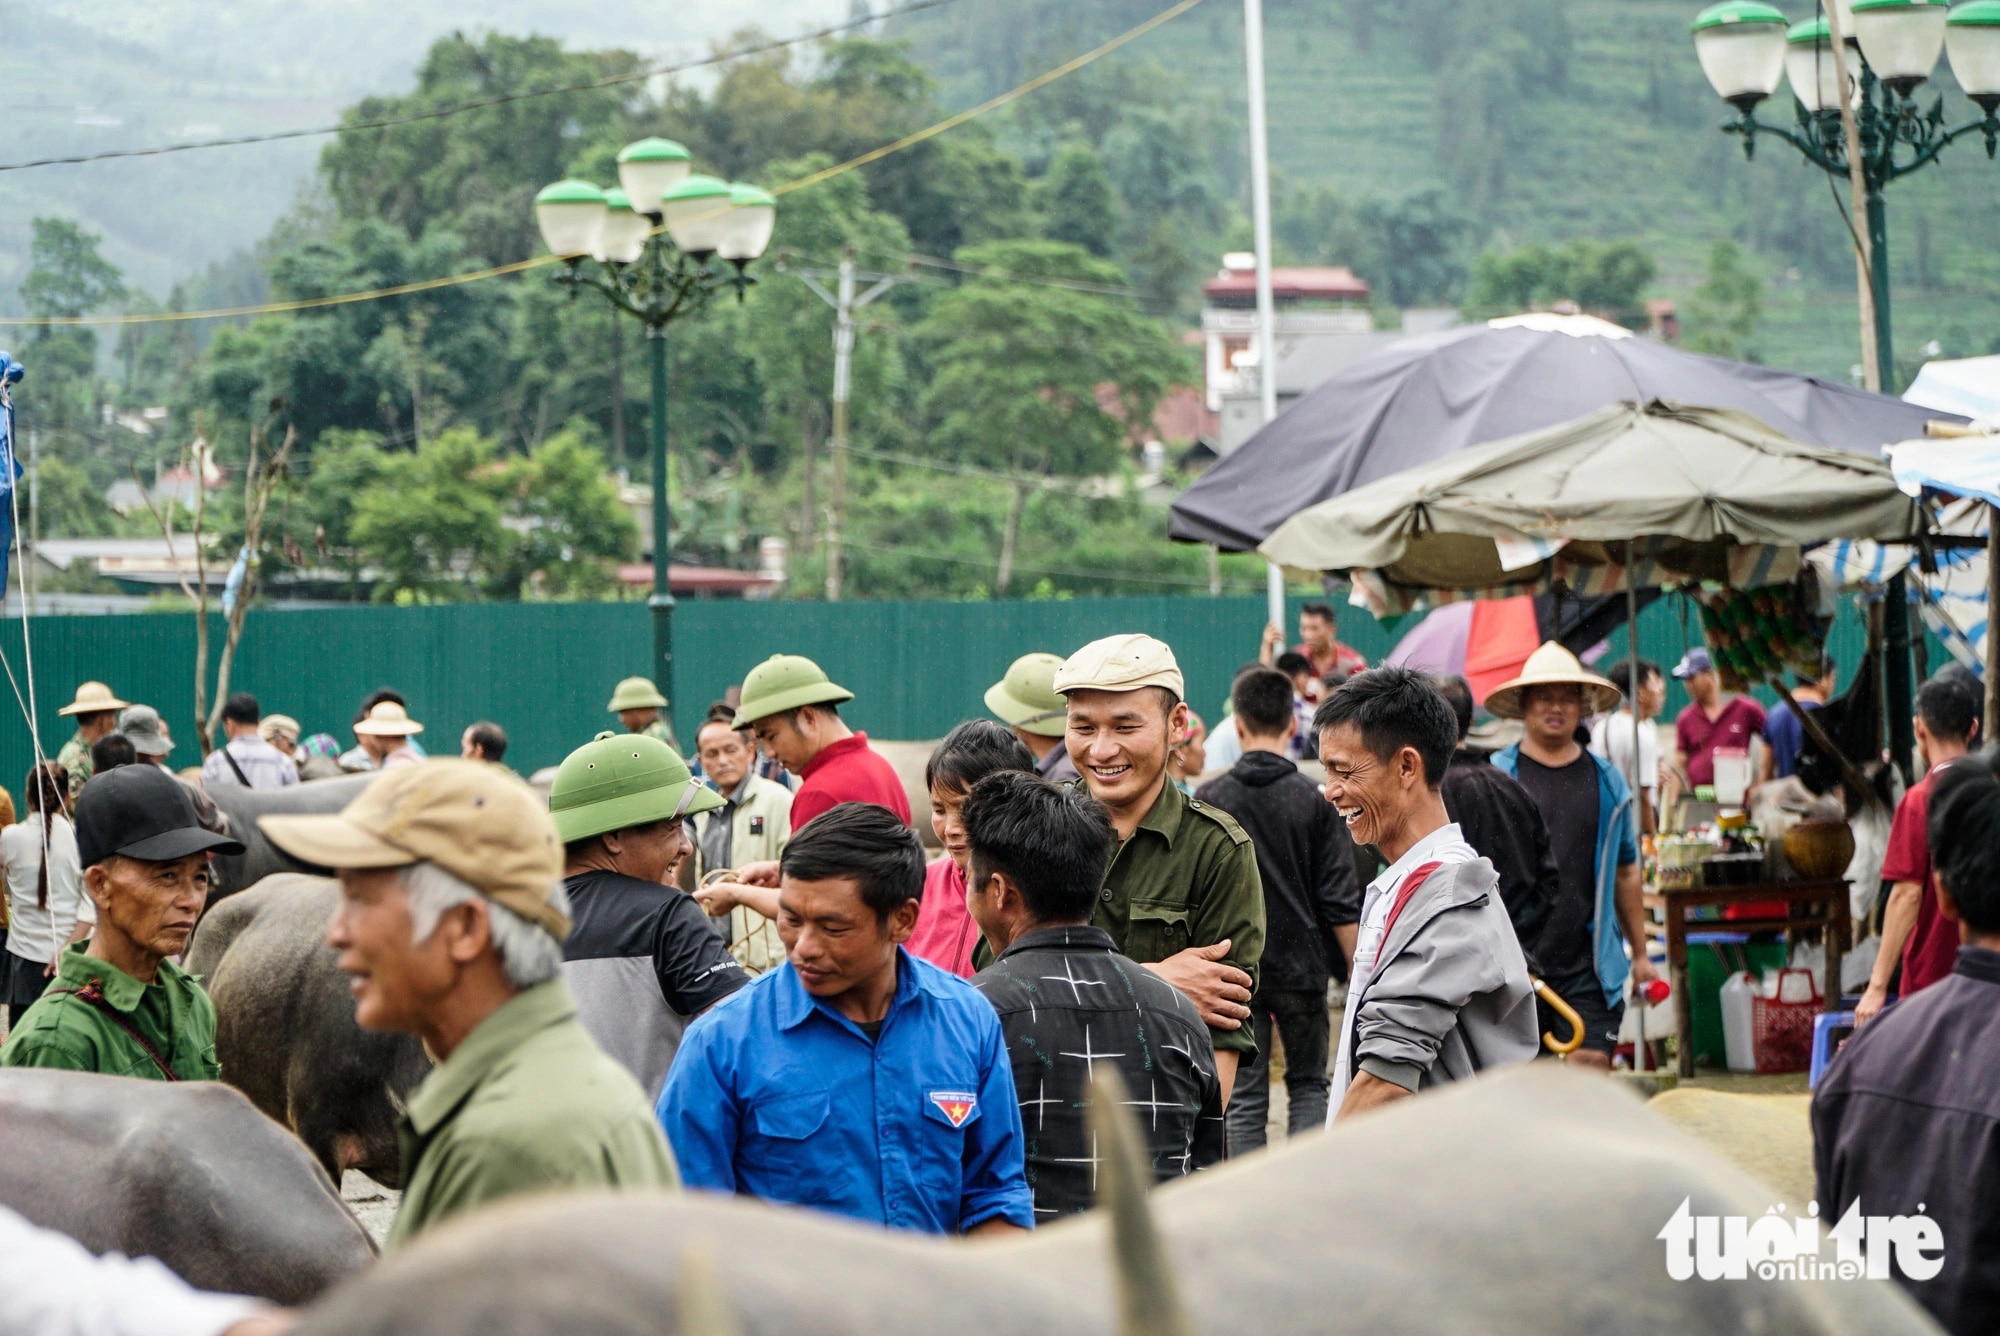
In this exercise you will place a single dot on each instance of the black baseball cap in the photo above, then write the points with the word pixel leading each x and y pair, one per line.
pixel 142 812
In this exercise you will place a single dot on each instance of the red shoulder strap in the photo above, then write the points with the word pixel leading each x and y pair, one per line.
pixel 1417 877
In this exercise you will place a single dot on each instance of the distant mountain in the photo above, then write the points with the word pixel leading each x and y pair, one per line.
pixel 112 74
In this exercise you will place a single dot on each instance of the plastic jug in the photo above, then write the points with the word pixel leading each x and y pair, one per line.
pixel 1732 775
pixel 1738 1022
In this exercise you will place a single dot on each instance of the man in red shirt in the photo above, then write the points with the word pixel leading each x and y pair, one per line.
pixel 1710 723
pixel 1915 932
pixel 794 709
pixel 1332 662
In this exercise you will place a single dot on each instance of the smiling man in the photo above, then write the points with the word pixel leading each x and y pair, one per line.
pixel 1596 915
pixel 450 926
pixel 640 956
pixel 1182 895
pixel 1439 990
pixel 118 1005
pixel 854 1078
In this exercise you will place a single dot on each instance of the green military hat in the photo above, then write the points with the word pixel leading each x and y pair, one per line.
pixel 1026 697
pixel 619 780
pixel 636 693
pixel 785 682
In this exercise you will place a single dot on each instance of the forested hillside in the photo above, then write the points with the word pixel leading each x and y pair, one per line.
pixel 1526 121
pixel 461 441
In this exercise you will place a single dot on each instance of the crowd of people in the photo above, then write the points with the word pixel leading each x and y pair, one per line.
pixel 737 971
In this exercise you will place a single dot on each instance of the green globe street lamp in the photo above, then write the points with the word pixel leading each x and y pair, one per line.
pixel 1890 48
pixel 658 246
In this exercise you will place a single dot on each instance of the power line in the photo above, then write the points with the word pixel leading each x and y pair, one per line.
pixel 519 266
pixel 458 108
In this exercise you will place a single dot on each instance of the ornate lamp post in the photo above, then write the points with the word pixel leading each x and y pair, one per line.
pixel 660 245
pixel 1746 49
pixel 1890 49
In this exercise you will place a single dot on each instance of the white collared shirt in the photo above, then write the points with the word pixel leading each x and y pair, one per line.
pixel 1445 845
pixel 51 1285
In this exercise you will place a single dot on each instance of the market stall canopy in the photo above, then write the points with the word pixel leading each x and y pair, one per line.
pixel 1702 493
pixel 1965 385
pixel 1430 397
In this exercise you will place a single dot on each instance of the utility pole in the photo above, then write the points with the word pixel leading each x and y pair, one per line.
pixel 34 518
pixel 1260 213
pixel 844 304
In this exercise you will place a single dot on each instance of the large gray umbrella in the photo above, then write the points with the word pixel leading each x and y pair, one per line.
pixel 1696 492
pixel 1434 395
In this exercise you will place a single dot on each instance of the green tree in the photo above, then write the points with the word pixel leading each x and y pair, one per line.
pixel 1020 366
pixel 479 170
pixel 66 276
pixel 574 529
pixel 432 521
pixel 1722 316
pixel 1608 279
pixel 71 505
pixel 1078 205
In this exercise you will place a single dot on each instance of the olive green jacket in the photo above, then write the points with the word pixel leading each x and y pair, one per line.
pixel 1187 877
pixel 71 1026
pixel 526 1103
pixel 75 758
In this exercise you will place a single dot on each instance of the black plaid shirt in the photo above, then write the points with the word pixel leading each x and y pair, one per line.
pixel 1068 1001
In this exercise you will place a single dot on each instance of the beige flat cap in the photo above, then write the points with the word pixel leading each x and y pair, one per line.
pixel 1121 663
pixel 476 821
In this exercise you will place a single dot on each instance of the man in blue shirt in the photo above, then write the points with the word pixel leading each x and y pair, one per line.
pixel 854 1077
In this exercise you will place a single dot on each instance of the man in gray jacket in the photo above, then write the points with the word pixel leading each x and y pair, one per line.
pixel 1439 989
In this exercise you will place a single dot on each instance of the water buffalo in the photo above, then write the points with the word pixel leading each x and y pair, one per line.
pixel 285 1031
pixel 186 1172
pixel 260 858
pixel 1528 1202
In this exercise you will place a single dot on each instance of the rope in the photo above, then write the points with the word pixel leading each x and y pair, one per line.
pixel 521 266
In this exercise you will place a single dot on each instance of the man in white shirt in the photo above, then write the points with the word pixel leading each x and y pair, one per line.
pixel 1611 735
pixel 245 758
pixel 1439 990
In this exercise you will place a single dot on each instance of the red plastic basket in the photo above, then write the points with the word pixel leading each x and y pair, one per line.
pixel 1782 1031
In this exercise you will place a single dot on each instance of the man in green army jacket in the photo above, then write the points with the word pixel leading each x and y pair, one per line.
pixel 451 922
pixel 95 710
pixel 638 705
pixel 118 1005
pixel 1182 896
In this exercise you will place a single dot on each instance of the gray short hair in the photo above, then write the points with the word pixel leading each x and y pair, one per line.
pixel 528 952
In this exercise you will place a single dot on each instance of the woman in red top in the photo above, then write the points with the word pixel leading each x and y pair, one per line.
pixel 945 933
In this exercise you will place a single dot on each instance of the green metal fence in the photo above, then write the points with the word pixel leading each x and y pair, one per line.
pixel 544 671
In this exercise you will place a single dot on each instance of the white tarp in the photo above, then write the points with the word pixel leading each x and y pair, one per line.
pixel 1968 386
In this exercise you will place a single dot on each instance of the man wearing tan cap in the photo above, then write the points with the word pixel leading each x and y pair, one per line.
pixel 385 735
pixel 1026 701
pixel 1183 895
pixel 451 922
pixel 95 710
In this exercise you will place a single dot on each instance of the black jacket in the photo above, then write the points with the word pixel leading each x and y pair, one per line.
pixel 1306 860
pixel 1908 1115
pixel 1499 819
pixel 1099 1006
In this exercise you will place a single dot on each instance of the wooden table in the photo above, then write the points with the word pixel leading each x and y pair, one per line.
pixel 1808 904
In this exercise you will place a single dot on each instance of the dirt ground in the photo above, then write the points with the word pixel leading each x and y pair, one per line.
pixel 372 1204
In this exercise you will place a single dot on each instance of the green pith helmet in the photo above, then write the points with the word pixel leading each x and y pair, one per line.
pixel 1026 697
pixel 619 780
pixel 636 693
pixel 785 682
